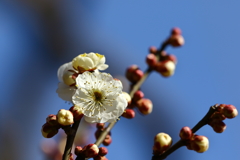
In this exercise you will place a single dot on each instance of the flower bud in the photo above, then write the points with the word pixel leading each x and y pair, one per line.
pixel 176 40
pixel 134 74
pixel 218 125
pixel 52 120
pixel 145 106
pixel 77 112
pixel 100 125
pixel 176 31
pixel 151 60
pixel 127 96
pixel 69 78
pixel 153 49
pixel 162 142
pixel 171 57
pixel 65 117
pixel 129 113
pixel 165 68
pixel 200 144
pixel 138 95
pixel 186 133
pixel 49 131
pixel 103 151
pixel 229 111
pixel 90 151
pixel 77 150
pixel 218 116
pixel 107 141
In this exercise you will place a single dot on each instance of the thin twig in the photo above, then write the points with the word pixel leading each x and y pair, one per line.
pixel 181 143
pixel 70 139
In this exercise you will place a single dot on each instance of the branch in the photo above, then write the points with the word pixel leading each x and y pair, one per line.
pixel 181 143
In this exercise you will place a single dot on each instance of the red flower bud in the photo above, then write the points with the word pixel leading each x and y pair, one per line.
pixel 186 133
pixel 129 113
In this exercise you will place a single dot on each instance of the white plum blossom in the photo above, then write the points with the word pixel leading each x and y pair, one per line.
pixel 89 62
pixel 100 97
pixel 68 72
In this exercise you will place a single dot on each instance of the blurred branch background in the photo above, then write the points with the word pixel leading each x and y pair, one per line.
pixel 36 37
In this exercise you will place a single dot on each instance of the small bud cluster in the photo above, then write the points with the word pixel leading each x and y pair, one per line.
pixel 223 111
pixel 162 142
pixel 194 142
pixel 144 105
pixel 100 128
pixel 91 151
pixel 63 119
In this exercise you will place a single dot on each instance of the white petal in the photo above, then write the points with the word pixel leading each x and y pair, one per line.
pixel 86 63
pixel 94 58
pixel 65 92
pixel 102 66
pixel 102 60
pixel 62 69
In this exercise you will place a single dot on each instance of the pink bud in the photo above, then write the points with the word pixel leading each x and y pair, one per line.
pixel 90 151
pixel 129 113
pixel 151 60
pixel 98 157
pixel 138 95
pixel 171 57
pixel 77 112
pixel 78 150
pixel 176 40
pixel 218 116
pixel 107 141
pixel 200 144
pixel 134 74
pixel 176 31
pixel 162 142
pixel 100 125
pixel 145 106
pixel 229 111
pixel 153 49
pixel 186 133
pixel 103 151
pixel 218 125
pixel 52 120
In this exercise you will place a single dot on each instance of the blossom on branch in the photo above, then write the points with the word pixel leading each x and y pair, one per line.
pixel 100 97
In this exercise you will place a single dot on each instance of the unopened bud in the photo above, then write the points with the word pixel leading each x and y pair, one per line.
pixel 77 150
pixel 107 141
pixel 186 133
pixel 138 95
pixel 127 97
pixel 162 142
pixel 176 31
pixel 69 78
pixel 171 57
pixel 218 116
pixel 48 131
pixel 153 49
pixel 151 60
pixel 134 74
pixel 90 151
pixel 218 125
pixel 77 112
pixel 229 111
pixel 145 106
pixel 65 117
pixel 52 120
pixel 176 40
pixel 166 68
pixel 100 125
pixel 103 151
pixel 129 113
pixel 200 144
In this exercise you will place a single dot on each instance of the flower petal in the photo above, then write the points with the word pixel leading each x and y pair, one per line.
pixel 65 92
pixel 102 66
pixel 62 69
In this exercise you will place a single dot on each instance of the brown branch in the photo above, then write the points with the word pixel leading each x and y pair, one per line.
pixel 70 139
pixel 181 143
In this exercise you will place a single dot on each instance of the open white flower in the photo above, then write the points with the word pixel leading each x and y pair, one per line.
pixel 100 97
pixel 89 62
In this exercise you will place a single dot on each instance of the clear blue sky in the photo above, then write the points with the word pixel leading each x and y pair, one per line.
pixel 35 41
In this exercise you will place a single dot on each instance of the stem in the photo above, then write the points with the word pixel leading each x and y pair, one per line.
pixel 181 143
pixel 70 139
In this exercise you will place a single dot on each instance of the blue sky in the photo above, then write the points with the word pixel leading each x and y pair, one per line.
pixel 206 74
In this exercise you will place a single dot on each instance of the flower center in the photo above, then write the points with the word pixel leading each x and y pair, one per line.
pixel 98 96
